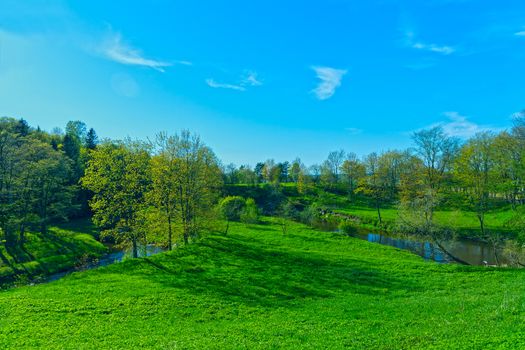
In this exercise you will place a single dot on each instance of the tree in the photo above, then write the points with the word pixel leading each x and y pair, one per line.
pixel 353 171
pixel 373 185
pixel 475 170
pixel 163 192
pixel 334 162
pixel 295 169
pixel 118 174
pixel 331 168
pixel 230 174
pixel 437 152
pixel 231 209
pixel 46 193
pixel 91 139
pixel 77 130
pixel 196 179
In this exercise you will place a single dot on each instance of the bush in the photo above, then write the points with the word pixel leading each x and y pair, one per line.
pixel 250 213
pixel 232 207
pixel 348 227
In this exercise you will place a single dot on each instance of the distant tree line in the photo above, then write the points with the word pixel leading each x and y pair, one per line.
pixel 482 173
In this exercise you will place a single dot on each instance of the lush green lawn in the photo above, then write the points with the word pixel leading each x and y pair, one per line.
pixel 259 289
pixel 60 248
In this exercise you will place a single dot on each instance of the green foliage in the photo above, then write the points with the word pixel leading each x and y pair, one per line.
pixel 118 175
pixel 348 227
pixel 232 207
pixel 250 214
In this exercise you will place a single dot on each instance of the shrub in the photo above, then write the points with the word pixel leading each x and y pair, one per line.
pixel 250 213
pixel 232 207
pixel 348 227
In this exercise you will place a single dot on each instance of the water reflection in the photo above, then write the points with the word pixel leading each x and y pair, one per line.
pixel 474 253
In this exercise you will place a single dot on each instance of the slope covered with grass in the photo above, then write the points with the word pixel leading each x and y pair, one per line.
pixel 256 288
pixel 61 248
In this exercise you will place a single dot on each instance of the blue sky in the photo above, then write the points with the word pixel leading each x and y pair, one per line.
pixel 266 79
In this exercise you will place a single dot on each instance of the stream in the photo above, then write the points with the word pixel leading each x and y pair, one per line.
pixel 108 259
pixel 472 252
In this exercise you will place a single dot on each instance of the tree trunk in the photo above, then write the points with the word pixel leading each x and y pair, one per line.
pixel 135 249
pixel 481 223
pixel 170 244
pixel 458 260
pixel 379 213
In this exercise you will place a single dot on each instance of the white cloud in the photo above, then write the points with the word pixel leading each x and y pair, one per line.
pixel 248 80
pixel 116 50
pixel 419 45
pixel 212 83
pixel 459 126
pixel 330 81
pixel 251 79
pixel 521 33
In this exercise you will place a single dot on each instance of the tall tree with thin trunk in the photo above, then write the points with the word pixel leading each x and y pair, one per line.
pixel 196 179
pixel 119 176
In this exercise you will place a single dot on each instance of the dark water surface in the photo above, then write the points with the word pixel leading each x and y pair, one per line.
pixel 472 252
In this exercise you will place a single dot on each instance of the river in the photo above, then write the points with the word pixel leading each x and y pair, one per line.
pixel 472 252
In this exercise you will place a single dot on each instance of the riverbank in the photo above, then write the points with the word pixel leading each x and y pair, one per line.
pixel 62 248
pixel 257 288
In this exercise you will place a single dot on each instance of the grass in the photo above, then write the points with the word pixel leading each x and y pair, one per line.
pixel 58 250
pixel 256 288
pixel 464 222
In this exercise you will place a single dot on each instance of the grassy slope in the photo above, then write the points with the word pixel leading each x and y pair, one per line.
pixel 58 250
pixel 258 289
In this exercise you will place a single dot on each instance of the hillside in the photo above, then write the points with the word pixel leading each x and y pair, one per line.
pixel 61 248
pixel 256 288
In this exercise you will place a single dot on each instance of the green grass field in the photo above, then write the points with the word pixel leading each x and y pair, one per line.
pixel 60 249
pixel 256 288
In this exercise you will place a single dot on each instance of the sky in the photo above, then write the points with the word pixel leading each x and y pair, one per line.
pixel 266 79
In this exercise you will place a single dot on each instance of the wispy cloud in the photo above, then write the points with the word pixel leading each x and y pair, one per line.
pixel 116 50
pixel 247 80
pixel 460 126
pixel 212 83
pixel 419 45
pixel 330 81
pixel 520 33
pixel 251 79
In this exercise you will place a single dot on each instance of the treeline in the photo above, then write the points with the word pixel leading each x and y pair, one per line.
pixel 171 187
pixel 439 171
pixel 39 176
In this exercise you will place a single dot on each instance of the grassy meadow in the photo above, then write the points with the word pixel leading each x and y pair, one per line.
pixel 257 288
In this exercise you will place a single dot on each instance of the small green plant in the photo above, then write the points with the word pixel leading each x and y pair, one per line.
pixel 348 227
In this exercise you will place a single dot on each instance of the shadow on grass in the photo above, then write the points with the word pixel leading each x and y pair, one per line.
pixel 235 269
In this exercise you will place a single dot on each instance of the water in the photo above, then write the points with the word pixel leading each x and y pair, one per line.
pixel 474 253
pixel 105 260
